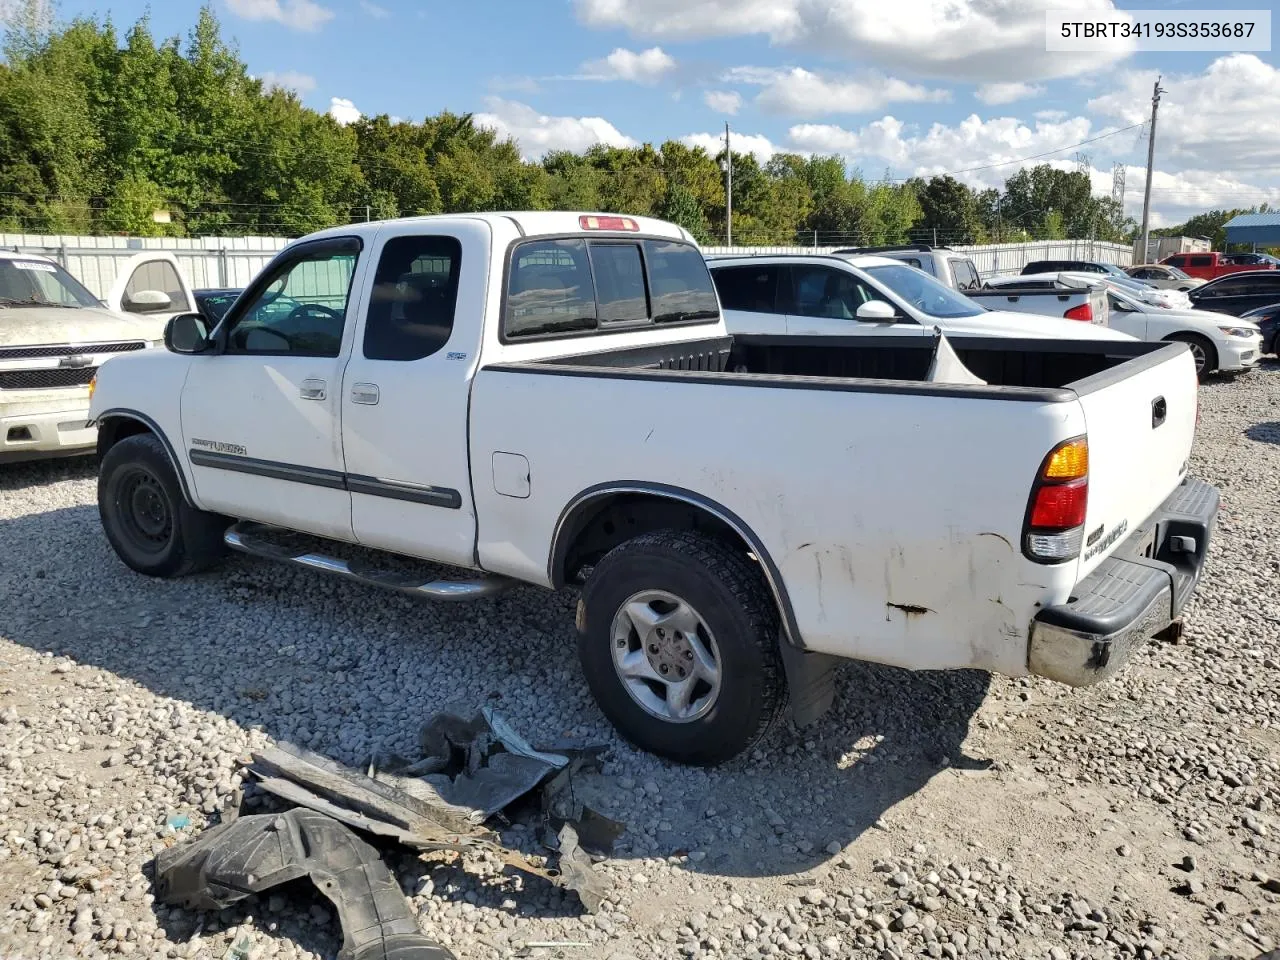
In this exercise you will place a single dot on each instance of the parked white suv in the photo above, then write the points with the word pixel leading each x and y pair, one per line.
pixel 864 296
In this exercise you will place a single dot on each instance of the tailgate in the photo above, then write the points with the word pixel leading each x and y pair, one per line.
pixel 1101 304
pixel 1140 420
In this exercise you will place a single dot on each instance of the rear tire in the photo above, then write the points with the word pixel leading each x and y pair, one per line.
pixel 145 517
pixel 1204 352
pixel 679 643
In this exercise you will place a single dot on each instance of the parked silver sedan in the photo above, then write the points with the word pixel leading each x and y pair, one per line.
pixel 1164 276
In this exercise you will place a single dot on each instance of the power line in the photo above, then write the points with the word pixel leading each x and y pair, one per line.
pixel 1038 156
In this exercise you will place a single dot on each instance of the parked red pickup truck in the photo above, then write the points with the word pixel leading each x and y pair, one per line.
pixel 1211 265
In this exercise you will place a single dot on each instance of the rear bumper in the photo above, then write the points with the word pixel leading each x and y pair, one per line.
pixel 1133 595
pixel 47 434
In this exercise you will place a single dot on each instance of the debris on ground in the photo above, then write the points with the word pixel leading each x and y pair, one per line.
pixel 468 770
pixel 248 855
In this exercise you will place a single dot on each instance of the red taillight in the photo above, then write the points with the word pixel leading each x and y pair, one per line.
pixel 1060 506
pixel 1083 312
pixel 608 223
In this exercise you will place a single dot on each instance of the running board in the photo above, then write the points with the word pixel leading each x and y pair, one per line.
pixel 255 539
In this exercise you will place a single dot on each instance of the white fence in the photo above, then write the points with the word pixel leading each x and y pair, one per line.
pixel 234 261
pixel 991 259
pixel 207 261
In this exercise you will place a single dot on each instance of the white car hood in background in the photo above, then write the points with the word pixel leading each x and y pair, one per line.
pixel 36 326
pixel 1007 323
pixel 1191 317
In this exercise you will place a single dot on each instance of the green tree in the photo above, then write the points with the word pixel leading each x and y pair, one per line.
pixel 948 207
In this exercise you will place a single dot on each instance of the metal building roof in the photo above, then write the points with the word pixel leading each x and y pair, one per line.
pixel 1259 228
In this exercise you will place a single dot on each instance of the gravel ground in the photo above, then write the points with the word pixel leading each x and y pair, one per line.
pixel 938 815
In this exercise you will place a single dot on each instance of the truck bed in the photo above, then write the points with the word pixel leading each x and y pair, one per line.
pixel 1032 370
pixel 891 515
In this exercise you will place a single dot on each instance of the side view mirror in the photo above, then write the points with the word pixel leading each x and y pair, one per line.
pixel 147 301
pixel 187 333
pixel 877 311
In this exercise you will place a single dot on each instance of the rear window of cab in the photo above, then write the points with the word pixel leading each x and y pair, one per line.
pixel 574 286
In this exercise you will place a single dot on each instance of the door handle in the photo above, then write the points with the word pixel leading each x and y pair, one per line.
pixel 365 393
pixel 312 390
pixel 1159 410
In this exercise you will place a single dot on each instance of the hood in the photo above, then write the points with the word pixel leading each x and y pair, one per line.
pixel 1008 323
pixel 34 326
pixel 1191 317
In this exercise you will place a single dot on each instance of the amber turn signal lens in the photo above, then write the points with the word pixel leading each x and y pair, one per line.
pixel 1069 462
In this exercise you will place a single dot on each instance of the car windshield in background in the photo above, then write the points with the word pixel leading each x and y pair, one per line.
pixel 924 293
pixel 1178 274
pixel 215 305
pixel 39 283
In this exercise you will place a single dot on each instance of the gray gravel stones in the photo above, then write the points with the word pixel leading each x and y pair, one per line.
pixel 1138 819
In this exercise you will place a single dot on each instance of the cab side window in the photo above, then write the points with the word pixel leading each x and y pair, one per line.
pixel 748 288
pixel 824 292
pixel 156 275
pixel 415 293
pixel 301 308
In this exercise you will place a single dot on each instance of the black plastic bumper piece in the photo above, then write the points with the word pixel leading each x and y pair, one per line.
pixel 1134 594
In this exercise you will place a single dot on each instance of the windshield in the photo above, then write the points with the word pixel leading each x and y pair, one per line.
pixel 41 283
pixel 215 305
pixel 1178 274
pixel 923 292
pixel 1114 271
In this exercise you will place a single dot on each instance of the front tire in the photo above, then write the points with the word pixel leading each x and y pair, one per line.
pixel 145 517
pixel 1202 350
pixel 679 644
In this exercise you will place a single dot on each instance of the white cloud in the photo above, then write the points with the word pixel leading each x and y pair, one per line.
pixel 647 66
pixel 995 93
pixel 942 148
pixel 537 133
pixel 761 147
pixel 300 83
pixel 975 40
pixel 1052 116
pixel 723 101
pixel 1222 118
pixel 798 92
pixel 295 14
pixel 343 110
pixel 685 19
pixel 375 11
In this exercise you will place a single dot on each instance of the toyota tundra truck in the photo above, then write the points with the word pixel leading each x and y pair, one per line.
pixel 552 399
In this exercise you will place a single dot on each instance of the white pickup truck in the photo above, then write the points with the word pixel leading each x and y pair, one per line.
pixel 552 399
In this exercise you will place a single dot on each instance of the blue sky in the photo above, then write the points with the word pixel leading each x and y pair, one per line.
pixel 907 86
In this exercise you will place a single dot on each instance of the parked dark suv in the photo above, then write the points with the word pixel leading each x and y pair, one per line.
pixel 1268 320
pixel 1238 293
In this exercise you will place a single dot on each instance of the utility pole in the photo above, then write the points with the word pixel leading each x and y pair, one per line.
pixel 1151 155
pixel 728 189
